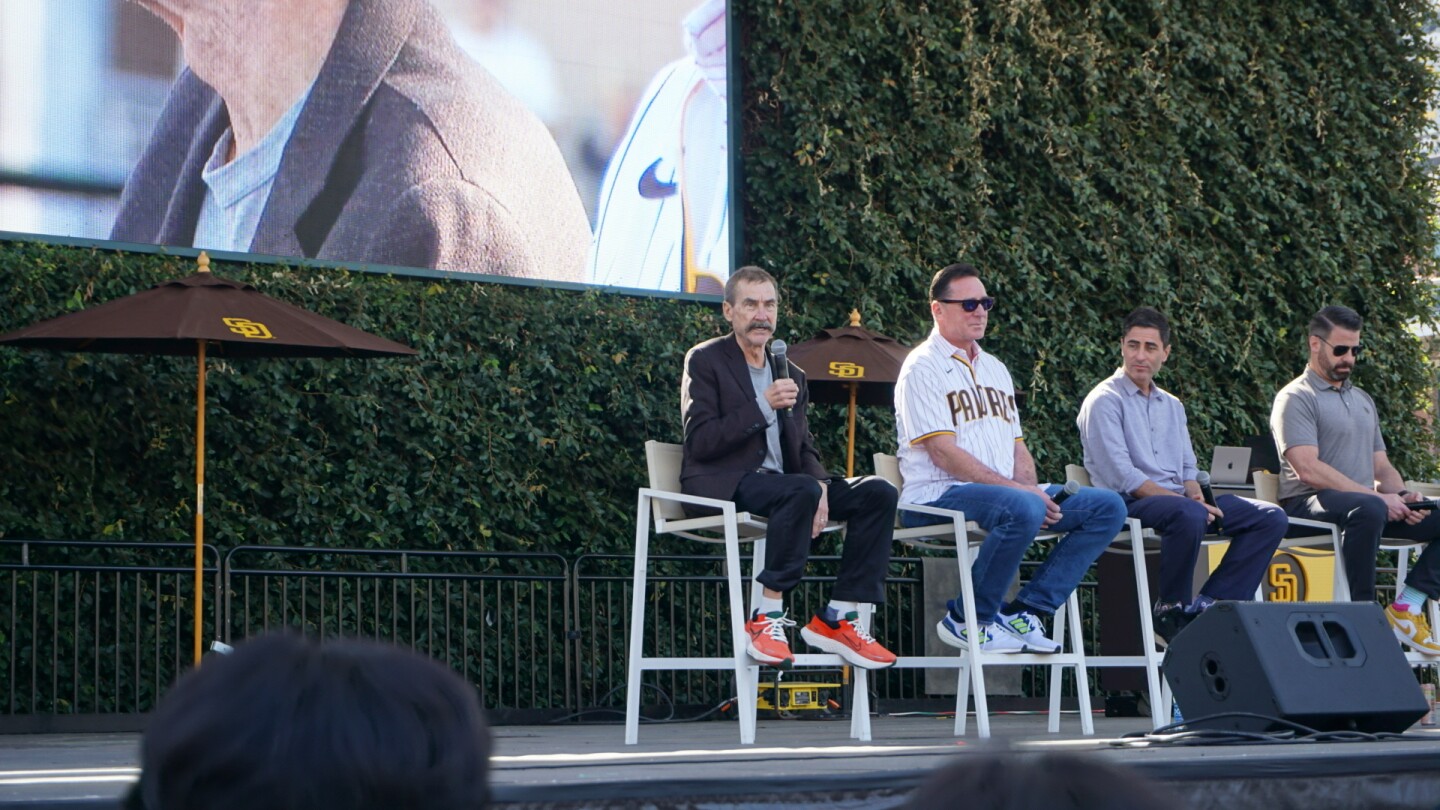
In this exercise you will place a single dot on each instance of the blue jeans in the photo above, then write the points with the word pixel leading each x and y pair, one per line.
pixel 1089 519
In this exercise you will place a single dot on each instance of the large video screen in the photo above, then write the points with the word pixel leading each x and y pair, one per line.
pixel 562 140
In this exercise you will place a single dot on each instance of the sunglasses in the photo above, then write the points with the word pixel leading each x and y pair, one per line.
pixel 1341 351
pixel 970 304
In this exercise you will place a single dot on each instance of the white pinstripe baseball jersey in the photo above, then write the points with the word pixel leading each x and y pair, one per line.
pixel 942 391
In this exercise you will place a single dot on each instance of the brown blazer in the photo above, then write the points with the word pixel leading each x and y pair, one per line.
pixel 725 428
pixel 406 153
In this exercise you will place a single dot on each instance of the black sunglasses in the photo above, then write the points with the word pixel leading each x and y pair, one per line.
pixel 969 304
pixel 1341 351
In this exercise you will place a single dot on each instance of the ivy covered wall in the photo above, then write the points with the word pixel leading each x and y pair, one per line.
pixel 1237 165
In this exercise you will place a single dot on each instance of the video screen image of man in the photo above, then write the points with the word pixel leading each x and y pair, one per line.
pixel 353 131
pixel 663 217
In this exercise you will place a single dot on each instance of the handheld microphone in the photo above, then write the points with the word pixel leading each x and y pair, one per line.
pixel 782 366
pixel 1070 488
pixel 1203 479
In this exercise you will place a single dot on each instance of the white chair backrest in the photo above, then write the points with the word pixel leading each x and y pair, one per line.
pixel 1078 474
pixel 1425 488
pixel 888 467
pixel 663 462
pixel 1267 486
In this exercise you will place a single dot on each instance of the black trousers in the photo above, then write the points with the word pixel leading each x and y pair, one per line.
pixel 788 502
pixel 1362 520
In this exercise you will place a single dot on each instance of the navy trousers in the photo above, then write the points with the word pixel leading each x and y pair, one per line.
pixel 1255 529
pixel 1362 520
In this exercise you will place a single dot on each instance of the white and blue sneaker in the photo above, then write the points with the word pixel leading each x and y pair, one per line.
pixel 1029 630
pixel 952 631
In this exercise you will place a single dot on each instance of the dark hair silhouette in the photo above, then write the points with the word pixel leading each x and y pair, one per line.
pixel 284 723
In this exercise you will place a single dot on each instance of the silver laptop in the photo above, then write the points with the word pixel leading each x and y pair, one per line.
pixel 1230 465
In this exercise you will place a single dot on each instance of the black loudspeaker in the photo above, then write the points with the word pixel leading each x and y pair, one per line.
pixel 1327 665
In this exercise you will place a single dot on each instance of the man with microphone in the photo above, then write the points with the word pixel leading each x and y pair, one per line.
pixel 747 440
pixel 961 448
pixel 1137 443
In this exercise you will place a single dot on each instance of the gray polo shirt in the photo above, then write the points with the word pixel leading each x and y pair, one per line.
pixel 1342 422
pixel 1130 438
pixel 761 378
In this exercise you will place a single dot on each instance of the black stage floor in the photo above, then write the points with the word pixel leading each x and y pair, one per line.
pixel 808 763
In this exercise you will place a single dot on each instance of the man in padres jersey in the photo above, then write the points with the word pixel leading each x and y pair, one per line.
pixel 747 440
pixel 961 448
pixel 1137 442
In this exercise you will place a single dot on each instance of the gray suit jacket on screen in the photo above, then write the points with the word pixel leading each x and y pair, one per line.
pixel 406 153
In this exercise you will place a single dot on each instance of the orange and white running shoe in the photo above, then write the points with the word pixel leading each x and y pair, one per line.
pixel 767 643
pixel 846 639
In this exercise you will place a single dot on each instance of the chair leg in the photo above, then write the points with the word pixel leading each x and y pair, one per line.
pixel 747 674
pixel 1159 714
pixel 860 704
pixel 974 656
pixel 1057 671
pixel 1341 588
pixel 637 621
pixel 1082 672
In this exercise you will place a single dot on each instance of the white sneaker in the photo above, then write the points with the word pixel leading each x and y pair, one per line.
pixel 1029 630
pixel 956 634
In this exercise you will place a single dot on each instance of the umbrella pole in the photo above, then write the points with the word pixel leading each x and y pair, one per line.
pixel 850 456
pixel 200 504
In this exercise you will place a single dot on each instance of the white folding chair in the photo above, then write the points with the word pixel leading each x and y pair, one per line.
pixel 1139 541
pixel 958 535
pixel 663 502
pixel 1324 540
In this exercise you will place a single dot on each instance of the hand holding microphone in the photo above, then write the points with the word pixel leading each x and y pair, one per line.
pixel 782 367
pixel 1203 479
pixel 1070 488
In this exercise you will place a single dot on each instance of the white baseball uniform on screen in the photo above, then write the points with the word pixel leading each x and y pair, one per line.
pixel 663 216
pixel 937 382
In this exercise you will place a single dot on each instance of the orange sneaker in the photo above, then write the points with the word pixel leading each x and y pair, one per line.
pixel 845 639
pixel 768 644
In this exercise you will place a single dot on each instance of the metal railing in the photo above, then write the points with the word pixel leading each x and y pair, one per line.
pixel 96 627
pixel 498 619
pixel 104 628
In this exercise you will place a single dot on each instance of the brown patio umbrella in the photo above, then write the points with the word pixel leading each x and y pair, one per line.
pixel 851 364
pixel 194 316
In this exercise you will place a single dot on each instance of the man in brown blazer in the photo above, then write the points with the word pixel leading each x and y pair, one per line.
pixel 349 131
pixel 747 440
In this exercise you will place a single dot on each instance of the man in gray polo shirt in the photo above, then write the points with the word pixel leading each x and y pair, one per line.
pixel 1333 467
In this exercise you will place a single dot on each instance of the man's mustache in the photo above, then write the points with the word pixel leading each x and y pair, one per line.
pixel 760 327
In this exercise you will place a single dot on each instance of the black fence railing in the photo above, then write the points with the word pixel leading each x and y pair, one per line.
pixel 499 619
pixel 96 627
pixel 99 628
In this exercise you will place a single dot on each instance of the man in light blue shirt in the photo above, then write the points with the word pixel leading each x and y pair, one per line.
pixel 1137 443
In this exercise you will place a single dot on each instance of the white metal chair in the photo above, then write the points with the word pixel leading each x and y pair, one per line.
pixel 663 502
pixel 1325 536
pixel 959 535
pixel 1139 541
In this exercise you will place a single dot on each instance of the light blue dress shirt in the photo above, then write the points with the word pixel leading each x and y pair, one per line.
pixel 236 192
pixel 1130 438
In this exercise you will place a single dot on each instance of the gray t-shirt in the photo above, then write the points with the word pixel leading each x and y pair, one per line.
pixel 761 379
pixel 1341 423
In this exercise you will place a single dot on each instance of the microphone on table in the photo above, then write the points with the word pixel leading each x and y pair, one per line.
pixel 1203 479
pixel 1070 488
pixel 782 366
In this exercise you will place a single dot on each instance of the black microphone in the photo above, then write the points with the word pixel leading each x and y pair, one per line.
pixel 782 366
pixel 1070 488
pixel 1203 479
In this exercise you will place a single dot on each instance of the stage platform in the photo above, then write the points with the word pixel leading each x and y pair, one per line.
pixel 807 764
